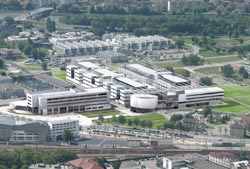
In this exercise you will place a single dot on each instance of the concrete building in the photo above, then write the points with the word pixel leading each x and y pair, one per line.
pixel 237 130
pixel 64 101
pixel 182 5
pixel 57 128
pixel 112 56
pixel 30 132
pixel 10 53
pixel 8 91
pixel 221 158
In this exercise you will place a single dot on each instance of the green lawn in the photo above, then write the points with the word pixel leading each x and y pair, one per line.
pixel 208 53
pixel 3 70
pixel 164 64
pixel 232 107
pixel 209 70
pixel 157 120
pixel 232 90
pixel 222 59
pixel 245 99
pixel 32 67
pixel 100 112
pixel 60 75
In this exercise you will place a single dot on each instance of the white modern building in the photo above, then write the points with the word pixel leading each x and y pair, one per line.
pixel 143 102
pixel 57 102
pixel 57 128
pixel 181 5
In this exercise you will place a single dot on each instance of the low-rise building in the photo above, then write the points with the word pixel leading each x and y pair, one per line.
pixel 29 132
pixel 57 128
pixel 221 158
pixel 182 5
pixel 66 101
pixel 84 163
pixel 237 130
pixel 8 91
pixel 9 53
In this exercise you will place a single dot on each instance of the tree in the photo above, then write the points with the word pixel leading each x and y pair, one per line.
pixel 242 70
pixel 149 124
pixel 206 81
pixel 227 70
pixel 143 123
pixel 176 117
pixel 121 119
pixel 235 34
pixel 67 135
pixel 207 111
pixel 136 121
pixel 245 75
pixel 191 60
pixel 241 41
pixel 114 118
pixel 1 64
pixel 101 118
pixel 9 20
pixel 130 122
pixel 169 125
pixel 179 43
pixel 44 66
pixel 53 26
pixel 27 49
pixel 101 161
pixel 48 24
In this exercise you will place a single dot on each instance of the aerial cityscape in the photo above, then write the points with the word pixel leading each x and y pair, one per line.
pixel 124 84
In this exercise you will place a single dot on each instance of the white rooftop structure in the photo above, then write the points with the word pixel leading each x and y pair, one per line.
pixel 203 90
pixel 175 79
pixel 106 72
pixel 88 65
pixel 143 69
pixel 130 82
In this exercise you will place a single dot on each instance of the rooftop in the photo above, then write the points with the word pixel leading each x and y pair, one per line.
pixel 174 78
pixel 143 69
pixel 130 82
pixel 88 65
pixel 203 90
pixel 106 72
pixel 222 155
pixel 85 163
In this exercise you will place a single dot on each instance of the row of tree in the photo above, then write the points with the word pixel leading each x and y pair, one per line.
pixel 192 60
pixel 163 25
pixel 22 159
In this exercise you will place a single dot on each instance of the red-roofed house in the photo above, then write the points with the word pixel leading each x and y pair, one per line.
pixel 84 163
pixel 245 120
pixel 221 158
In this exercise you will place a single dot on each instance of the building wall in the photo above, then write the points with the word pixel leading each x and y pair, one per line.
pixel 237 132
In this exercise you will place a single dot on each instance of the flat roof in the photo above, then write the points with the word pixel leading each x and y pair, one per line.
pixel 62 121
pixel 97 90
pixel 203 90
pixel 130 82
pixel 6 119
pixel 54 81
pixel 143 69
pixel 88 64
pixel 174 78
pixel 106 72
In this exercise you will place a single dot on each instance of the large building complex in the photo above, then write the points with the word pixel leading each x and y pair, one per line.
pixel 29 132
pixel 79 47
pixel 66 101
pixel 135 84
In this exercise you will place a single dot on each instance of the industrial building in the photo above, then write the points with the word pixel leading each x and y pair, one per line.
pixel 77 46
pixel 112 56
pixel 9 90
pixel 135 85
pixel 29 132
pixel 66 101
pixel 57 128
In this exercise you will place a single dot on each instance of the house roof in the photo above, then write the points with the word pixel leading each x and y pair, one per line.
pixel 85 163
pixel 237 126
pixel 245 120
pixel 222 155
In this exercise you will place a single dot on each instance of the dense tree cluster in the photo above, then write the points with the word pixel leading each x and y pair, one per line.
pixel 243 72
pixel 164 25
pixel 227 70
pixel 192 60
pixel 30 50
pixel 130 122
pixel 25 157
pixel 50 25
pixel 206 81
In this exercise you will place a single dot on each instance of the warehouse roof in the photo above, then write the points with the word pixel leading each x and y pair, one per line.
pixel 130 82
pixel 175 79
pixel 143 69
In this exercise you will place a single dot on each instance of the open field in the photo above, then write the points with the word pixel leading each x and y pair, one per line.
pixel 3 70
pixel 244 99
pixel 157 120
pixel 222 59
pixel 174 63
pixel 232 90
pixel 232 107
pixel 32 67
pixel 100 112
pixel 60 75
pixel 209 70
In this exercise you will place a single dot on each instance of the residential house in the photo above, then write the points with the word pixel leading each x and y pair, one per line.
pixel 84 163
pixel 221 158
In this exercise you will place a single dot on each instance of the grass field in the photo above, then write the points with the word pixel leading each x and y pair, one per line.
pixel 222 59
pixel 100 112
pixel 164 64
pixel 209 70
pixel 208 53
pixel 32 67
pixel 232 107
pixel 232 90
pixel 157 120
pixel 60 75
pixel 245 99
pixel 3 70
